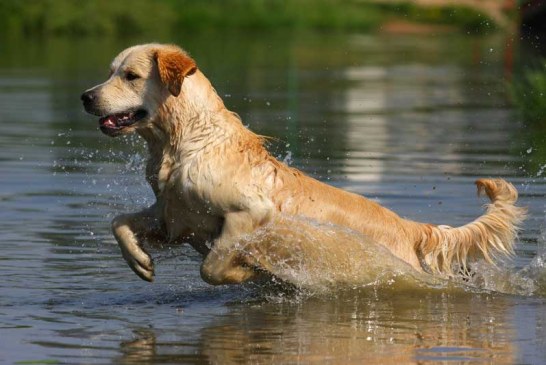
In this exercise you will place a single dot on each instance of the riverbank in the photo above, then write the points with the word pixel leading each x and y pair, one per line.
pixel 125 17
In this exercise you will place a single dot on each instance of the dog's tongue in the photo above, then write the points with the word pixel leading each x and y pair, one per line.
pixel 108 121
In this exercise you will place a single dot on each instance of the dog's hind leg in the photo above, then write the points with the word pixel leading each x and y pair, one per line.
pixel 227 262
pixel 130 230
pixel 224 267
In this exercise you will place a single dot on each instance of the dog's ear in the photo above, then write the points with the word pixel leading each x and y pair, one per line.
pixel 173 66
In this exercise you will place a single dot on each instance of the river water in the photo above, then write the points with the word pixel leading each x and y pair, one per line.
pixel 409 121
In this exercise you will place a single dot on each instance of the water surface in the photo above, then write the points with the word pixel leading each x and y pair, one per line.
pixel 408 121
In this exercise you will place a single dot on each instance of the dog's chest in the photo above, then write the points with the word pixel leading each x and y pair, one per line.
pixel 183 191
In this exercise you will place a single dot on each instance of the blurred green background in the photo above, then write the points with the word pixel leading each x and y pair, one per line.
pixel 160 17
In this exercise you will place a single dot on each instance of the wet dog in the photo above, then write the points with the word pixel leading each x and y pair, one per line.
pixel 215 182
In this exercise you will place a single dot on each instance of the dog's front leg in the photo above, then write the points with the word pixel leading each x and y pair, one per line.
pixel 129 230
pixel 226 263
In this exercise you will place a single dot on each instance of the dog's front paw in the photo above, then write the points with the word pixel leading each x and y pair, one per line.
pixel 139 261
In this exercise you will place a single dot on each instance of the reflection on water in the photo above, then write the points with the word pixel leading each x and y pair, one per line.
pixel 349 328
pixel 364 328
pixel 408 121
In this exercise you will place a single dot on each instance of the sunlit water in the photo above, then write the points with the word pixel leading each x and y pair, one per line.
pixel 408 121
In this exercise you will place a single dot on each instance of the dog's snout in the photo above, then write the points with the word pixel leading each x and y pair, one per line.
pixel 88 97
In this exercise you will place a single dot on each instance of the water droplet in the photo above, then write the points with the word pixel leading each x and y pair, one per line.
pixel 288 158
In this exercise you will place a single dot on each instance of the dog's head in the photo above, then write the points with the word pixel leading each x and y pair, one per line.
pixel 141 79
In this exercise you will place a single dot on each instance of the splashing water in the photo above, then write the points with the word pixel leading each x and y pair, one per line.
pixel 535 272
pixel 324 257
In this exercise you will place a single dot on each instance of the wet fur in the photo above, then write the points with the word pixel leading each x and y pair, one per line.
pixel 215 182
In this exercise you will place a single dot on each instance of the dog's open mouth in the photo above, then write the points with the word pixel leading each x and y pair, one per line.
pixel 112 124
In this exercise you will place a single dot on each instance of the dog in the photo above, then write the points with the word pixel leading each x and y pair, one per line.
pixel 215 182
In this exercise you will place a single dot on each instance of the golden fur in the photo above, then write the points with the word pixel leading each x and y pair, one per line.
pixel 215 182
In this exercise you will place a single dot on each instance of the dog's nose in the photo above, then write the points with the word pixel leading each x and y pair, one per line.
pixel 88 97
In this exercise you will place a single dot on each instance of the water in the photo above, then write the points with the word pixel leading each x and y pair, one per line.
pixel 408 121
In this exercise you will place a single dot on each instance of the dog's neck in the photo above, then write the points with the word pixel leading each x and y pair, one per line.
pixel 195 120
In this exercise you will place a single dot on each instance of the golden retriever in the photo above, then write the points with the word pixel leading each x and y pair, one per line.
pixel 215 182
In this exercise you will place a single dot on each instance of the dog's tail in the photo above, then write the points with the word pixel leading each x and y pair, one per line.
pixel 490 236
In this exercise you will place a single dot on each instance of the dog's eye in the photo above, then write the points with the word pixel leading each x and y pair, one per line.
pixel 129 75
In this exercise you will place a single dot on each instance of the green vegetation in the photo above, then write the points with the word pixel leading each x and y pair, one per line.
pixel 36 362
pixel 461 17
pixel 159 17
pixel 529 95
pixel 528 92
pixel 317 14
pixel 93 17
